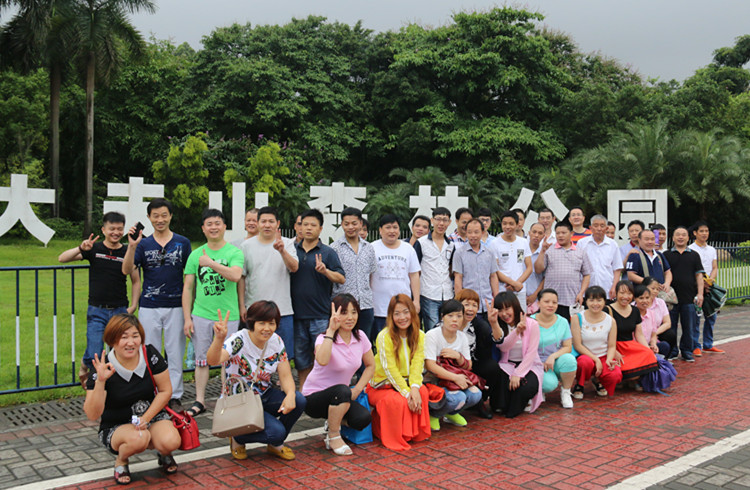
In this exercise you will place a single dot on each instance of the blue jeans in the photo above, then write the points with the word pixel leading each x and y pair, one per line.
pixel 685 313
pixel 286 332
pixel 96 319
pixel 430 312
pixel 708 331
pixel 305 333
pixel 277 425
pixel 458 400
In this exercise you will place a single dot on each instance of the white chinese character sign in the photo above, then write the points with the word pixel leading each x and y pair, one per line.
pixel 237 231
pixel 647 205
pixel 134 208
pixel 19 198
pixel 331 201
pixel 550 199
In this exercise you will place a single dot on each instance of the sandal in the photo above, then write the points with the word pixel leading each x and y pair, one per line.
pixel 167 463
pixel 577 392
pixel 600 389
pixel 342 450
pixel 238 451
pixel 122 471
pixel 197 409
pixel 83 375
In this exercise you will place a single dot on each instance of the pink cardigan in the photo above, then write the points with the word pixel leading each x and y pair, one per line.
pixel 530 362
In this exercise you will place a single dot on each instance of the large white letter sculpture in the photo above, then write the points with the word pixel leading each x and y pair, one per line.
pixel 452 201
pixel 134 208
pixel 424 201
pixel 550 200
pixel 331 201
pixel 19 198
pixel 647 205
pixel 215 200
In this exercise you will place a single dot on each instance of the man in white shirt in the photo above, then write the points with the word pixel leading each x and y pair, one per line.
pixel 434 252
pixel 513 257
pixel 709 259
pixel 547 219
pixel 269 261
pixel 604 255
pixel 397 271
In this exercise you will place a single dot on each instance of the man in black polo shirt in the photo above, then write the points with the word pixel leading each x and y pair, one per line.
pixel 312 283
pixel 108 293
pixel 687 281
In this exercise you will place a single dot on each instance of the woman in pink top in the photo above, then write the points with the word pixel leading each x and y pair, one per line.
pixel 653 317
pixel 521 384
pixel 339 352
pixel 659 309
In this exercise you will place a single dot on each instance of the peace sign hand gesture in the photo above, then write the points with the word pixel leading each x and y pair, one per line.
pixel 491 312
pixel 336 320
pixel 319 265
pixel 220 327
pixel 279 243
pixel 521 327
pixel 87 245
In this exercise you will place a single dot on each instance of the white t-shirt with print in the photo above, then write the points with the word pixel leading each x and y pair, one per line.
pixel 392 275
pixel 244 356
pixel 511 257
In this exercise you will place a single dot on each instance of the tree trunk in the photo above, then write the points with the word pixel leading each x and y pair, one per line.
pixel 90 73
pixel 54 129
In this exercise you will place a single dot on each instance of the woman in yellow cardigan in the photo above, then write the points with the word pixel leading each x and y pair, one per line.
pixel 396 391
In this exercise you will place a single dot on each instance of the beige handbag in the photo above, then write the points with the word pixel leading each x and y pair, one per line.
pixel 240 413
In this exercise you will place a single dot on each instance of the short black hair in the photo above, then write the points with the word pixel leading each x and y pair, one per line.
pixel 113 217
pixel 609 223
pixel 268 210
pixel 157 203
pixel 423 218
pixel 262 311
pixel 387 219
pixel 484 212
pixel 509 214
pixel 461 211
pixel 640 233
pixel 639 290
pixel 636 222
pixel 351 212
pixel 519 211
pixel 547 291
pixel 451 306
pixel 212 213
pixel 314 213
pixel 659 226
pixel 547 210
pixel 594 292
pixel 365 223
pixel 564 224
pixel 441 211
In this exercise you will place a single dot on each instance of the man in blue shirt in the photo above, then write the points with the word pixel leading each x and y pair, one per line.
pixel 312 284
pixel 658 266
pixel 162 257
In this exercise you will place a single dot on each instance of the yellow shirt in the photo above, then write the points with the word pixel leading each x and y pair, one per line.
pixel 402 376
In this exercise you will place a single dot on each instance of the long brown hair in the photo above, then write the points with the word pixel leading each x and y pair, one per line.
pixel 412 333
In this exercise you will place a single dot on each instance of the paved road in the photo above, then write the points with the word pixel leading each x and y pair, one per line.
pixel 595 445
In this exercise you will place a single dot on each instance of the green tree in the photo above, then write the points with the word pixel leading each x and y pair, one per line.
pixel 103 38
pixel 29 41
pixel 183 175
pixel 264 171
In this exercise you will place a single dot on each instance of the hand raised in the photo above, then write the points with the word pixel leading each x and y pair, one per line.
pixel 132 231
pixel 104 369
pixel 545 245
pixel 319 265
pixel 204 260
pixel 88 244
pixel 337 318
pixel 491 312
pixel 521 327
pixel 220 327
pixel 278 244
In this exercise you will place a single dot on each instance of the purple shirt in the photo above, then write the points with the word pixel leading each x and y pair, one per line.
pixel 345 360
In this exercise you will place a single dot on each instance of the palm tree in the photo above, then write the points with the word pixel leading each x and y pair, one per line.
pixel 432 176
pixel 103 38
pixel 31 40
pixel 715 169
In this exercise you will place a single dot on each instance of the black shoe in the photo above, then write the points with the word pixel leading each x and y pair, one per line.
pixel 484 411
pixel 175 405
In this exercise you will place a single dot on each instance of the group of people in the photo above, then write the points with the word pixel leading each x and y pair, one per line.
pixel 425 327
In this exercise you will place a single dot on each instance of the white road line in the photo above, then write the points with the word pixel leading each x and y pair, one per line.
pixel 150 465
pixel 732 339
pixel 685 463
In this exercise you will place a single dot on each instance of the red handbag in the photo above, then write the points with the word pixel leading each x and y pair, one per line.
pixel 183 422
pixel 451 365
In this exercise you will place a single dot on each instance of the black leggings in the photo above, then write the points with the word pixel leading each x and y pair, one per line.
pixel 492 374
pixel 513 402
pixel 357 417
pixel 670 337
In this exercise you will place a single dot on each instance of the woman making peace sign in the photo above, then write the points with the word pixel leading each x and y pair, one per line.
pixel 255 353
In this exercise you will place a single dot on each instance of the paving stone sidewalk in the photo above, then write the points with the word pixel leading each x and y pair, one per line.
pixel 594 445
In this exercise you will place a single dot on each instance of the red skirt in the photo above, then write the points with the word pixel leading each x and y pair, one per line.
pixel 637 359
pixel 392 421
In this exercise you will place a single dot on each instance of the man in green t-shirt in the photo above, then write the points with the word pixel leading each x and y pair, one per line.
pixel 213 271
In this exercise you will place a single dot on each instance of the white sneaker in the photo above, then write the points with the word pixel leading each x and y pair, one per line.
pixel 528 407
pixel 565 398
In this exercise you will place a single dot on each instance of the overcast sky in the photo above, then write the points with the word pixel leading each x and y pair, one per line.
pixel 660 38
